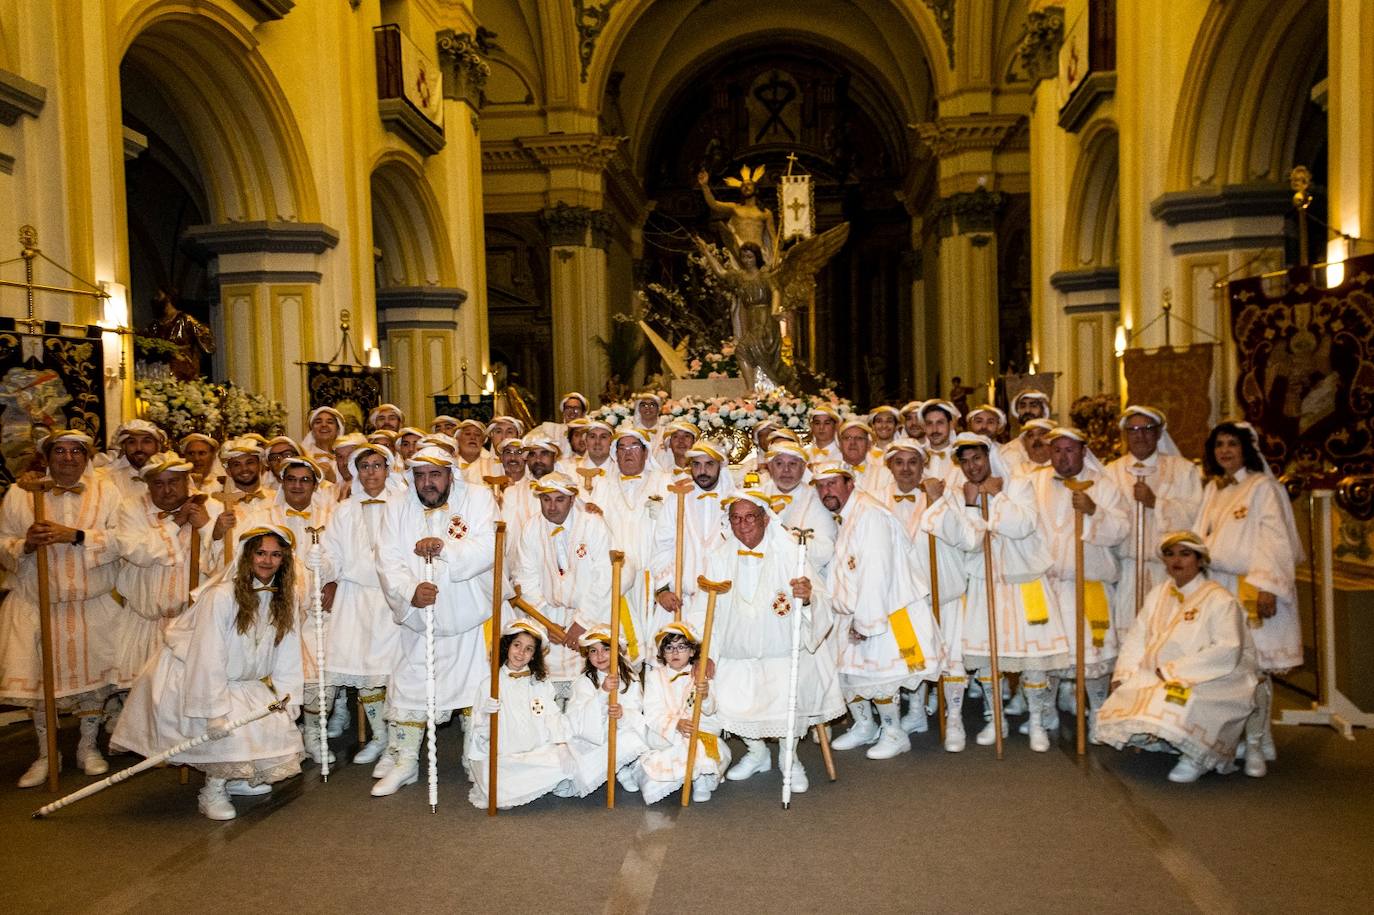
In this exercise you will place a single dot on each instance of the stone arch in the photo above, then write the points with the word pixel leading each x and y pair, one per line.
pixel 206 65
pixel 1235 123
pixel 1091 230
pixel 407 226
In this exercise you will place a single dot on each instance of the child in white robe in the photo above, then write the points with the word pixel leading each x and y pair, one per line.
pixel 1185 678
pixel 590 711
pixel 533 758
pixel 668 697
pixel 234 652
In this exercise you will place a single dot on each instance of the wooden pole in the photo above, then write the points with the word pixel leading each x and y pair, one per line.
pixel 229 500
pixel 823 736
pixel 935 606
pixel 617 562
pixel 681 488
pixel 995 687
pixel 556 632
pixel 1079 615
pixel 192 581
pixel 497 575
pixel 713 590
pixel 38 488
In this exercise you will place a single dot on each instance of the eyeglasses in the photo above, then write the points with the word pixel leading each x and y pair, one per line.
pixel 680 646
pixel 1140 430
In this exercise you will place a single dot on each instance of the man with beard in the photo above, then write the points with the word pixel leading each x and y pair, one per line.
pixel 137 440
pixel 938 418
pixel 435 549
pixel 386 416
pixel 703 527
pixel 911 421
pixel 1030 450
pixel 207 475
pixel 563 569
pixel 1030 405
pixel 631 503
pixel 242 459
pixel 986 420
pixel 82 551
pixel 796 503
pixel 888 638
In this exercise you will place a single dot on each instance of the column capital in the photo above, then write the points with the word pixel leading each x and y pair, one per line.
pixel 576 226
pixel 1040 45
pixel 951 136
pixel 972 213
pixel 463 61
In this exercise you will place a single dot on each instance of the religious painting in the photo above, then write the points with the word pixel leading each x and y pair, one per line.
pixel 1306 379
pixel 1176 380
pixel 47 380
pixel 465 406
pixel 352 390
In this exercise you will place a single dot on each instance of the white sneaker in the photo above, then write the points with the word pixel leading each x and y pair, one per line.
pixel 1039 740
pixel 37 773
pixel 915 721
pixel 1255 766
pixel 90 760
pixel 239 787
pixel 371 752
pixel 750 763
pixel 955 740
pixel 892 742
pixel 405 772
pixel 861 734
pixel 384 766
pixel 625 777
pixel 987 736
pixel 700 793
pixel 1185 771
pixel 215 804
pixel 799 780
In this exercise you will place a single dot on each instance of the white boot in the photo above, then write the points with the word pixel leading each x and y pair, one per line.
pixel 987 736
pixel 626 777
pixel 799 780
pixel 1037 699
pixel 1185 771
pixel 1255 764
pixel 310 734
pixel 1264 713
pixel 756 759
pixel 37 773
pixel 406 768
pixel 88 751
pixel 892 740
pixel 214 802
pixel 915 720
pixel 374 707
pixel 238 787
pixel 955 739
pixel 701 790
pixel 1018 705
pixel 340 716
pixel 863 732
pixel 1068 697
pixel 1097 688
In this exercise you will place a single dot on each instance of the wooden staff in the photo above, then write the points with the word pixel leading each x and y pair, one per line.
pixel 681 488
pixel 1080 611
pixel 617 561
pixel 935 606
pixel 498 486
pixel 556 632
pixel 229 500
pixel 1140 471
pixel 589 475
pixel 823 737
pixel 38 488
pixel 995 687
pixel 497 583
pixel 193 580
pixel 713 590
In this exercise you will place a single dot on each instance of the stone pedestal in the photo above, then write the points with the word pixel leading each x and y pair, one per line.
pixel 707 388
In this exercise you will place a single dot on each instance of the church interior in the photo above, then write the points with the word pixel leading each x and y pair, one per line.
pixel 475 207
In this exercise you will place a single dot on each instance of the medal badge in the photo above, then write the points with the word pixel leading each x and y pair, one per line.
pixel 457 527
pixel 781 604
pixel 537 706
pixel 852 563
pixel 581 551
pixel 1190 615
pixel 1240 513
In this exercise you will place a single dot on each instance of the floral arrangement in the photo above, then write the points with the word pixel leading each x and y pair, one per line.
pixel 218 410
pixel 1096 417
pixel 719 414
pixel 714 363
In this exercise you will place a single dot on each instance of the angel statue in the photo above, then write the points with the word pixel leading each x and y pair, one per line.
pixel 765 301
pixel 746 221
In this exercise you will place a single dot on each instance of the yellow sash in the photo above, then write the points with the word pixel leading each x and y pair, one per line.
pixel 1096 610
pixel 1248 595
pixel 486 635
pixel 627 627
pixel 1176 693
pixel 1033 599
pixel 907 643
pixel 710 743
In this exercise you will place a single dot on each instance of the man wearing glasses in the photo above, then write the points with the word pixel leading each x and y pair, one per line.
pixel 1162 486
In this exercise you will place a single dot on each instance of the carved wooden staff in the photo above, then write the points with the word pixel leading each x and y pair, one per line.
pixel 1080 611
pixel 617 562
pixel 498 486
pixel 713 590
pixel 193 580
pixel 38 488
pixel 994 689
pixel 1139 471
pixel 229 500
pixel 497 586
pixel 680 488
pixel 556 632
pixel 589 475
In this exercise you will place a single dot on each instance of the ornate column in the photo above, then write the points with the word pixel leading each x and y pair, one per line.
pixel 416 324
pixel 578 239
pixel 268 274
pixel 970 186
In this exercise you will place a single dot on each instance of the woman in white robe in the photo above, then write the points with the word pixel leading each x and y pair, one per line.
pixel 234 652
pixel 589 714
pixel 1246 521
pixel 669 693
pixel 1186 672
pixel 533 758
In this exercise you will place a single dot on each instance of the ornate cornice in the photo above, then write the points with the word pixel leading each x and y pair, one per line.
pixel 587 151
pixel 953 135
pixel 463 60
pixel 591 17
pixel 576 226
pixel 1040 45
pixel 267 10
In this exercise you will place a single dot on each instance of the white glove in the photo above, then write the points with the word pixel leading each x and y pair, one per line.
pixel 488 705
pixel 314 558
pixel 218 728
pixel 655 506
